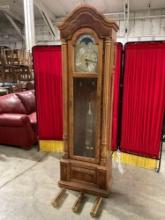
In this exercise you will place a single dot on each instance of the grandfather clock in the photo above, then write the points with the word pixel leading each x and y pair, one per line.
pixel 88 61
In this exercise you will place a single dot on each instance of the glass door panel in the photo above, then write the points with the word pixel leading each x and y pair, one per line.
pixel 84 114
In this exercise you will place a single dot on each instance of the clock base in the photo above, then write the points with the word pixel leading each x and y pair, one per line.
pixel 85 177
pixel 84 188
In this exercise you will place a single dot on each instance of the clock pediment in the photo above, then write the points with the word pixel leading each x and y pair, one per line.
pixel 87 17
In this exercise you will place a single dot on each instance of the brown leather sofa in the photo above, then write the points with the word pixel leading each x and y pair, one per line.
pixel 18 124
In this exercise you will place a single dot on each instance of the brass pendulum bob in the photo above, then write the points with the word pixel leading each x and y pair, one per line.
pixel 89 150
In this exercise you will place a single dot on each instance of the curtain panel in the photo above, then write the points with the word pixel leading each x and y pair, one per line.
pixel 48 79
pixel 143 98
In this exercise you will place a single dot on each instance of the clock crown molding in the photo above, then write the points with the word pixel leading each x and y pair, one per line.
pixel 87 16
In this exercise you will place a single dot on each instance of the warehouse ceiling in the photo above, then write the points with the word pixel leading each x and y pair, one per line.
pixel 61 8
pixel 58 9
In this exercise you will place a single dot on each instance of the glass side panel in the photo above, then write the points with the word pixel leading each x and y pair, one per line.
pixel 84 116
pixel 86 54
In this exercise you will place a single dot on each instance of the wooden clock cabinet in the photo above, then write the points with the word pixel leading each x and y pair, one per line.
pixel 88 61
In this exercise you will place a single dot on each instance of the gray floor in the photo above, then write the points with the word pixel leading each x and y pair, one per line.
pixel 28 184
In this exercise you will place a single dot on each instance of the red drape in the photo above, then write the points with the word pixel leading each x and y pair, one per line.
pixel 48 79
pixel 115 118
pixel 143 98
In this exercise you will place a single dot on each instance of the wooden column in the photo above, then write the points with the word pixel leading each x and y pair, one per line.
pixel 106 115
pixel 29 24
pixel 65 99
pixel 111 91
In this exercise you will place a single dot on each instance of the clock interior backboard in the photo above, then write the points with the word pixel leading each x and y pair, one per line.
pixel 84 114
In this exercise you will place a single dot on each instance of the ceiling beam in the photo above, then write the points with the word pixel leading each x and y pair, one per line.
pixel 47 16
pixel 6 9
pixel 49 24
pixel 40 5
pixel 14 24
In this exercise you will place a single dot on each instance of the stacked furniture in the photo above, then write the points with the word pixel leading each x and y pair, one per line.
pixel 18 124
pixel 15 68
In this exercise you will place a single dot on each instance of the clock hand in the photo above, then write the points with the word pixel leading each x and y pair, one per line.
pixel 93 61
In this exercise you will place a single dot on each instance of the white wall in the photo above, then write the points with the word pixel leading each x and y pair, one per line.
pixel 145 29
pixel 43 34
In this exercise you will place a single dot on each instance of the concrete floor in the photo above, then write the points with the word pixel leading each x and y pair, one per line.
pixel 28 184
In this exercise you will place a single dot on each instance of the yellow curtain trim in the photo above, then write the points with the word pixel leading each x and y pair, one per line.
pixel 125 158
pixel 138 161
pixel 51 146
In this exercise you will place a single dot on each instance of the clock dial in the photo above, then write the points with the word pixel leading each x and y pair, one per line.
pixel 86 54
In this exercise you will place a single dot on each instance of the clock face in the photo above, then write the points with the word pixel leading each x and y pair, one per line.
pixel 86 54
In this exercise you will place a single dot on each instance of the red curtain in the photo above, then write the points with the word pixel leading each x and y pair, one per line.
pixel 48 79
pixel 115 118
pixel 143 98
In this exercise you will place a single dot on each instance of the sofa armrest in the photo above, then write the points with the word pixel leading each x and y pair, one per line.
pixel 13 120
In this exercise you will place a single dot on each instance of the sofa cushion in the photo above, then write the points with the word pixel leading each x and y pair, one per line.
pixel 28 99
pixel 33 118
pixel 11 104
pixel 13 120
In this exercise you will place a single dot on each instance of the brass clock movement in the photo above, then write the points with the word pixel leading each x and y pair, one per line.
pixel 88 59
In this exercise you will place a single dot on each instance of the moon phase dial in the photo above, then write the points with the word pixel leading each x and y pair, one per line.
pixel 86 54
